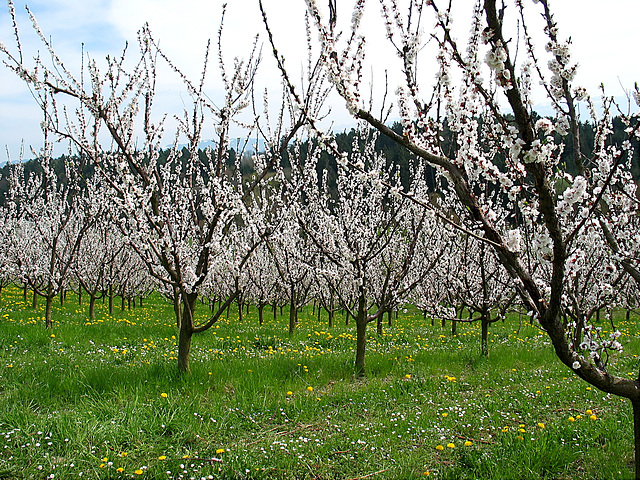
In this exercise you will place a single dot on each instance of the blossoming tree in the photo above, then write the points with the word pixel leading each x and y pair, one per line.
pixel 500 141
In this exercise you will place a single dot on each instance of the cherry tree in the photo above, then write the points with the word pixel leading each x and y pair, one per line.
pixel 176 211
pixel 52 218
pixel 515 151
pixel 369 237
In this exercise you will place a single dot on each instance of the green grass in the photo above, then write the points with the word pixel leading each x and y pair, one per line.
pixel 102 400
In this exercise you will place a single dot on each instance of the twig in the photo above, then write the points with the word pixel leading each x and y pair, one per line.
pixel 370 474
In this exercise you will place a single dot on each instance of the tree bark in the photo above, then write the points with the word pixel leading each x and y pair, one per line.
pixel 48 310
pixel 636 435
pixel 361 338
pixel 261 313
pixel 186 332
pixel 92 306
pixel 485 335
pixel 293 312
pixel 110 299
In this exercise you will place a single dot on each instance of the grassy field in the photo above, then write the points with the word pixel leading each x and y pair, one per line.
pixel 102 399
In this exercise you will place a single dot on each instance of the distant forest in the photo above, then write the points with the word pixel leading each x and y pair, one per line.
pixel 399 159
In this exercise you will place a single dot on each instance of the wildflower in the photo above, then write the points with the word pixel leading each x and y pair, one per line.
pixel 163 395
pixel 541 425
pixel 119 469
pixel 468 443
pixel 520 438
pixel 162 457
pixel 310 389
pixel 53 335
pixel 289 392
pixel 407 376
pixel 138 472
pixel 592 417
pixel 589 412
pixel 445 414
pixel 571 419
pixel 505 429
pixel 439 447
pixel 451 445
pixel 219 451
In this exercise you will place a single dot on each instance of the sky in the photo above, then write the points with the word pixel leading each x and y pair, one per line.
pixel 603 42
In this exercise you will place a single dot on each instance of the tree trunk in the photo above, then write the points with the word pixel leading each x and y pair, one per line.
pixel 330 313
pixel 261 313
pixel 636 435
pixel 239 310
pixel 389 319
pixel 176 308
pixel 361 337
pixel 48 310
pixel 186 332
pixel 24 293
pixel 92 306
pixel 275 311
pixel 379 325
pixel 110 299
pixel 34 301
pixel 62 298
pixel 485 335
pixel 293 311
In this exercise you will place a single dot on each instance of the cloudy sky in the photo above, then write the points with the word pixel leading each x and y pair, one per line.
pixel 604 41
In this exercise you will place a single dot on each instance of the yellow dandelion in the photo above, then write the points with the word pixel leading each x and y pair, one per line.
pixel 119 469
pixel 162 457
pixel 541 425
pixel 439 447
pixel 219 451
pixel 505 429
pixel 310 389
pixel 571 419
pixel 468 443
pixel 138 472
pixel 589 412
pixel 445 414
pixel 164 395
pixel 520 438
pixel 289 392
pixel 102 465
pixel 407 376
pixel 451 445
pixel 592 417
